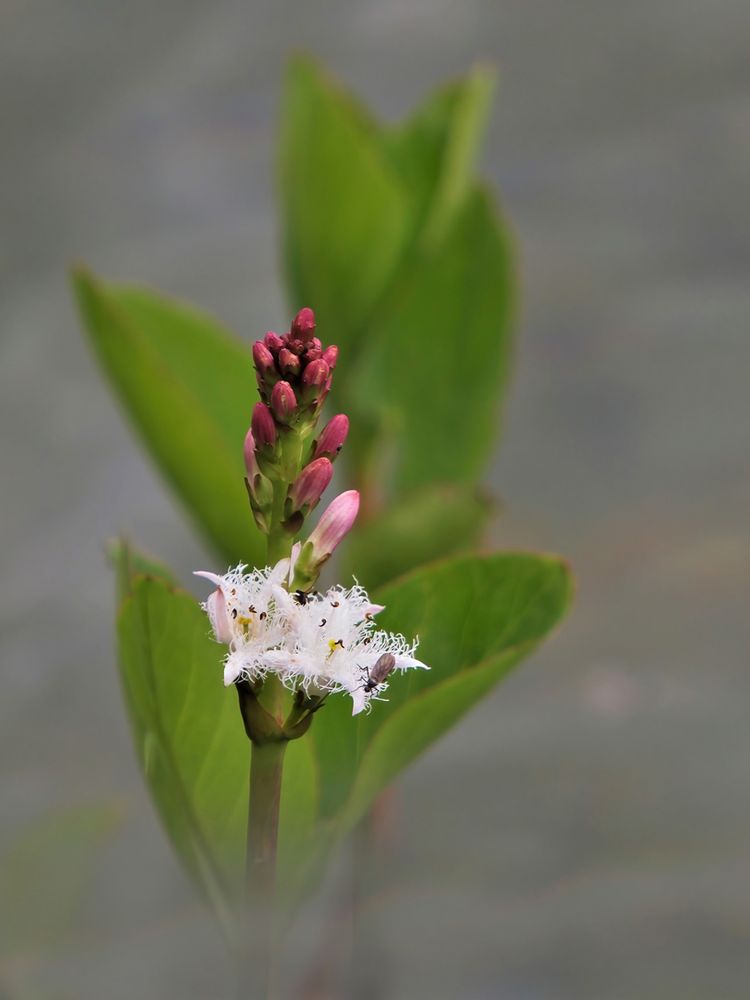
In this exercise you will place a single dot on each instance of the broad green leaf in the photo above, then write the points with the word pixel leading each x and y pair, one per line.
pixel 431 523
pixel 436 370
pixel 45 872
pixel 434 151
pixel 130 563
pixel 358 195
pixel 191 743
pixel 345 211
pixel 476 617
pixel 188 387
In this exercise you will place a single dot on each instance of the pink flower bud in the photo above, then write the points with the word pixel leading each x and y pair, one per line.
pixel 334 525
pixel 262 357
pixel 312 354
pixel 303 325
pixel 251 463
pixel 331 441
pixel 289 364
pixel 315 377
pixel 273 342
pixel 283 402
pixel 310 484
pixel 262 426
pixel 331 356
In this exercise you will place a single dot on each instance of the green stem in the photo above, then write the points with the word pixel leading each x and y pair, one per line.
pixel 266 771
pixel 279 539
pixel 279 545
pixel 266 768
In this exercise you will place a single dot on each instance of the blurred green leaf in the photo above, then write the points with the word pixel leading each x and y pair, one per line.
pixel 477 618
pixel 345 212
pixel 437 521
pixel 191 743
pixel 434 151
pixel 189 388
pixel 193 754
pixel 436 370
pixel 422 307
pixel 130 563
pixel 45 872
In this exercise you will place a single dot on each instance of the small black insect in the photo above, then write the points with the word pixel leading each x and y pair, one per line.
pixel 381 671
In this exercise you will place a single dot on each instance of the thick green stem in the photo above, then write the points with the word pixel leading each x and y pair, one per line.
pixel 279 539
pixel 266 768
pixel 279 545
pixel 266 771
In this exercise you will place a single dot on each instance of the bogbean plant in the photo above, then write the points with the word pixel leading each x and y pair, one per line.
pixel 401 253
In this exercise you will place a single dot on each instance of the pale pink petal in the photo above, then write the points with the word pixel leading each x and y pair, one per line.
pixel 216 607
pixel 213 577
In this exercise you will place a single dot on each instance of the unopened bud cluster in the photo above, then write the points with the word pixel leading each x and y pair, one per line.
pixel 288 467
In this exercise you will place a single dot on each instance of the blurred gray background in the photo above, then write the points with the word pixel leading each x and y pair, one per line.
pixel 584 836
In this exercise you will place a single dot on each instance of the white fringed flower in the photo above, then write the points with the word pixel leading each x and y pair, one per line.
pixel 242 615
pixel 322 642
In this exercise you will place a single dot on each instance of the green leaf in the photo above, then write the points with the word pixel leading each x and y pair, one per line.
pixel 191 743
pixel 345 211
pixel 188 387
pixel 45 872
pixel 476 618
pixel 436 370
pixel 185 727
pixel 435 522
pixel 357 195
pixel 130 563
pixel 434 151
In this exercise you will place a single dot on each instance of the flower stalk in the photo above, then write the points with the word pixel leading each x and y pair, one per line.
pixel 289 647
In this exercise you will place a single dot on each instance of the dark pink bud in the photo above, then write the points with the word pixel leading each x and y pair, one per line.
pixel 294 345
pixel 262 357
pixel 283 402
pixel 332 439
pixel 310 484
pixel 315 375
pixel 289 364
pixel 331 356
pixel 273 342
pixel 303 325
pixel 262 426
pixel 312 354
